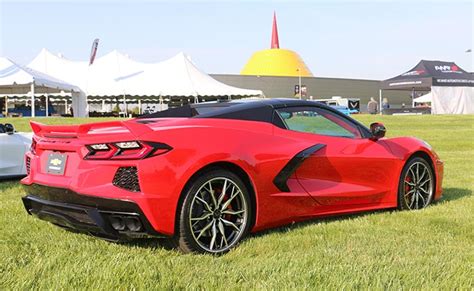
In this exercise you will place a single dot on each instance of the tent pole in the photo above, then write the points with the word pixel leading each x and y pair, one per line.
pixel 47 104
pixel 103 105
pixel 125 106
pixel 6 106
pixel 33 99
pixel 139 106
pixel 380 101
pixel 65 106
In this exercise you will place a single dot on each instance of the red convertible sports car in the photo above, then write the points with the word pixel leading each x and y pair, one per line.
pixel 205 175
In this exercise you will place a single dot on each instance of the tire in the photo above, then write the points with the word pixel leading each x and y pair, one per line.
pixel 205 228
pixel 417 185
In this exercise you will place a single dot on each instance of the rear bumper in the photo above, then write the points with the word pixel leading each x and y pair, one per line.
pixel 111 219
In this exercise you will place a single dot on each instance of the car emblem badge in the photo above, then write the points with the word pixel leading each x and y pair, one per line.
pixel 56 164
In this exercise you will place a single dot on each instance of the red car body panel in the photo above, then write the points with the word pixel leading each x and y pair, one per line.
pixel 346 176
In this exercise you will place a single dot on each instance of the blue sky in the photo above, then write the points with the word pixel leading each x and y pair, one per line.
pixel 374 40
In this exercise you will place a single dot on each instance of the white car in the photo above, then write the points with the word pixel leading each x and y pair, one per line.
pixel 13 146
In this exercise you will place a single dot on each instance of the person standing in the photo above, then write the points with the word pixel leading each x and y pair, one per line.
pixel 385 104
pixel 372 106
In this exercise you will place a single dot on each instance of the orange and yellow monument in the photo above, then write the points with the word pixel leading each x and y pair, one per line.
pixel 276 61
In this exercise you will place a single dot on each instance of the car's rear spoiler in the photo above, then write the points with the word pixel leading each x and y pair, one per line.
pixel 75 131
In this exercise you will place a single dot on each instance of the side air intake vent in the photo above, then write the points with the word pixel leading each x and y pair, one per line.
pixel 127 178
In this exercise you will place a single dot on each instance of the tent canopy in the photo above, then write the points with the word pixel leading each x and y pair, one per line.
pixel 427 98
pixel 430 73
pixel 178 76
pixel 116 74
pixel 12 74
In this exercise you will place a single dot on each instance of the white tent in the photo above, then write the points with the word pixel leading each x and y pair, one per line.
pixel 15 78
pixel 116 74
pixel 453 100
pixel 94 80
pixel 427 98
pixel 178 76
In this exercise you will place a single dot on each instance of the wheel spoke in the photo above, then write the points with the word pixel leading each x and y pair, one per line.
pixel 222 231
pixel 409 192
pixel 214 235
pixel 221 197
pixel 211 191
pixel 413 175
pixel 204 229
pixel 208 207
pixel 411 184
pixel 411 202
pixel 425 191
pixel 422 198
pixel 226 222
pixel 232 212
pixel 423 174
pixel 424 182
pixel 227 203
pixel 201 218
pixel 416 203
pixel 418 172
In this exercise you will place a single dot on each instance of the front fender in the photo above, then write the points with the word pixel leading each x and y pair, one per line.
pixel 405 147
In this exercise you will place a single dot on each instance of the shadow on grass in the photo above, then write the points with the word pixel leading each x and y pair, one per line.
pixel 14 178
pixel 152 243
pixel 8 183
pixel 317 221
pixel 449 194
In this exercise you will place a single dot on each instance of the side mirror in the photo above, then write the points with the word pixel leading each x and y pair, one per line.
pixel 9 129
pixel 378 130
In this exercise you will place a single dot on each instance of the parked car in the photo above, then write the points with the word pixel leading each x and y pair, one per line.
pixel 349 105
pixel 13 146
pixel 205 175
pixel 344 109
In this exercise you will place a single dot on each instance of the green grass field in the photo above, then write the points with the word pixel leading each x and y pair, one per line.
pixel 427 249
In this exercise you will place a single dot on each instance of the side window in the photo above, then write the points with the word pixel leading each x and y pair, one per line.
pixel 318 121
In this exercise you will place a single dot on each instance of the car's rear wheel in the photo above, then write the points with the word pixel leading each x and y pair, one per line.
pixel 417 185
pixel 215 213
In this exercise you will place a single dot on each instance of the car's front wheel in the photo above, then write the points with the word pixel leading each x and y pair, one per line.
pixel 417 185
pixel 215 213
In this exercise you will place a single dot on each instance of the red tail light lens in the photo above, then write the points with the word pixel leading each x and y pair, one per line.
pixel 126 150
pixel 33 146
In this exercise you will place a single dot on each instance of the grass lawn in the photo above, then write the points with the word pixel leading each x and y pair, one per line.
pixel 427 249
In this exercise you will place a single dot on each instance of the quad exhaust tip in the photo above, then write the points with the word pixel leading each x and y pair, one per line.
pixel 125 223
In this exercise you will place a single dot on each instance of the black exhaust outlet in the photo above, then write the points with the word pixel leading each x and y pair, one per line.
pixel 133 223
pixel 117 223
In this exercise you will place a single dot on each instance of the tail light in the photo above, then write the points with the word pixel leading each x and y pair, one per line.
pixel 126 150
pixel 33 146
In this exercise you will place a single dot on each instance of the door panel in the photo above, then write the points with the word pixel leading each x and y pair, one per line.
pixel 348 172
pixel 351 169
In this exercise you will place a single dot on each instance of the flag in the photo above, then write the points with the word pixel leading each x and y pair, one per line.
pixel 95 44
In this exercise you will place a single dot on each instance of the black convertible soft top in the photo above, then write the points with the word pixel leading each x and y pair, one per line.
pixel 252 110
pixel 245 109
